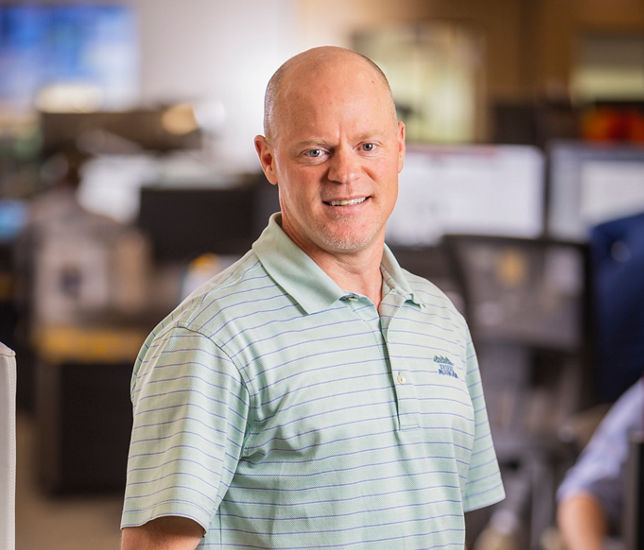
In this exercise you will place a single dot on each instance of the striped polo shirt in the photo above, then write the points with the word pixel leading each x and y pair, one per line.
pixel 278 410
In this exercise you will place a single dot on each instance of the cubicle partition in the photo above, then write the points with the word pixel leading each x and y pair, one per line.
pixel 7 447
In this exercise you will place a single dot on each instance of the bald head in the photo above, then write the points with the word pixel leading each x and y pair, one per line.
pixel 315 66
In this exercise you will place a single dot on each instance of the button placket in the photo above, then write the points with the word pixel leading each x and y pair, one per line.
pixel 407 401
pixel 404 388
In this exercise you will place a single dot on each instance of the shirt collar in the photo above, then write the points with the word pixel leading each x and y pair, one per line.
pixel 301 278
pixel 394 277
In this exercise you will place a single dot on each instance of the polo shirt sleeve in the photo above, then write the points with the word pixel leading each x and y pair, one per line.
pixel 483 486
pixel 190 409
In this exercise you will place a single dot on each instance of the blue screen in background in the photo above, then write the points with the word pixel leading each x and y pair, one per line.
pixel 13 217
pixel 52 44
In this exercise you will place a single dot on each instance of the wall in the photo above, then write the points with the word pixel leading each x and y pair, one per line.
pixel 225 52
pixel 529 43
pixel 559 23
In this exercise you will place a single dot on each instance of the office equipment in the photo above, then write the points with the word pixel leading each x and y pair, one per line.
pixel 83 408
pixel 13 217
pixel 44 43
pixel 527 304
pixel 85 283
pixel 7 447
pixel 530 291
pixel 87 266
pixel 183 223
pixel 468 189
pixel 90 297
pixel 589 184
pixel 100 131
pixel 534 122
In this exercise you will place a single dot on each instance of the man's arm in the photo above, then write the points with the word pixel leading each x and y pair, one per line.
pixel 591 495
pixel 582 522
pixel 167 533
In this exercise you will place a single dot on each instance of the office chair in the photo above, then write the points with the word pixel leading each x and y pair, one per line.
pixel 527 302
pixel 7 447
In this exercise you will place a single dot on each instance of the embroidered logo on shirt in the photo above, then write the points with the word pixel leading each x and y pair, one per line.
pixel 445 366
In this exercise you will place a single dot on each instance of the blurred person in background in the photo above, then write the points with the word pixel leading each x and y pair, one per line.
pixel 591 497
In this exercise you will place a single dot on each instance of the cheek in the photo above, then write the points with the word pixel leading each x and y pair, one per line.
pixel 394 192
pixel 386 174
pixel 303 182
pixel 296 193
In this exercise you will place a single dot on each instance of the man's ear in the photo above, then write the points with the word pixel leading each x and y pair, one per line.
pixel 266 158
pixel 401 146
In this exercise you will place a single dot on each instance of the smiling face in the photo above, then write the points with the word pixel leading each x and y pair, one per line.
pixel 335 151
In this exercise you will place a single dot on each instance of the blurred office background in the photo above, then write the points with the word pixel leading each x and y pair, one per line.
pixel 128 176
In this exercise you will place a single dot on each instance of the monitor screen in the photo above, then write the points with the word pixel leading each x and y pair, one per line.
pixel 82 44
pixel 491 190
pixel 13 218
pixel 525 291
pixel 592 184
pixel 186 222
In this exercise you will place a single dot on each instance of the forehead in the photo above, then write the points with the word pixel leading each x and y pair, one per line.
pixel 324 95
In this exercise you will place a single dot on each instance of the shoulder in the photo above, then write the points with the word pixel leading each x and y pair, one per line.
pixel 236 288
pixel 433 298
pixel 191 325
pixel 240 296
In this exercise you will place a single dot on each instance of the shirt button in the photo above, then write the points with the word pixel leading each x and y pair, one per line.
pixel 401 379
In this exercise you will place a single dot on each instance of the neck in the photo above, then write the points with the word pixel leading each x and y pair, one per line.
pixel 355 272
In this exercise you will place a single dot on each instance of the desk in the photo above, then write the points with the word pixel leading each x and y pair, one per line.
pixel 83 405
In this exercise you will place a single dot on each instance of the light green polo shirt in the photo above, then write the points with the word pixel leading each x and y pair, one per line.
pixel 279 411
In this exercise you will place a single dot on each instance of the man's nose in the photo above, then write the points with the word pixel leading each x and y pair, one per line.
pixel 344 166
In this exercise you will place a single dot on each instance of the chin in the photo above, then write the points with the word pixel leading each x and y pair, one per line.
pixel 346 236
pixel 346 242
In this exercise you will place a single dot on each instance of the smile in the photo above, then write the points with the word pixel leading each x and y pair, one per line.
pixel 350 202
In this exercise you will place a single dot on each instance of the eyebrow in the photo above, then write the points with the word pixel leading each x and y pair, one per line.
pixel 369 135
pixel 320 142
pixel 312 141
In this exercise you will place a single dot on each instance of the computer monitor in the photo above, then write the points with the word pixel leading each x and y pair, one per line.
pixel 185 222
pixel 13 218
pixel 530 292
pixel 590 184
pixel 489 190
pixel 89 43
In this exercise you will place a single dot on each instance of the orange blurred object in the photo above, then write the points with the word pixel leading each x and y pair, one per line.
pixel 611 124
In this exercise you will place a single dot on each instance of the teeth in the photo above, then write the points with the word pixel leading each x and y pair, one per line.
pixel 347 203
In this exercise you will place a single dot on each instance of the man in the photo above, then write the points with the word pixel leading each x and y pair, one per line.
pixel 314 395
pixel 591 497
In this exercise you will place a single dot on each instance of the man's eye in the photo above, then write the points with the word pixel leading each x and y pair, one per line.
pixel 314 153
pixel 368 147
